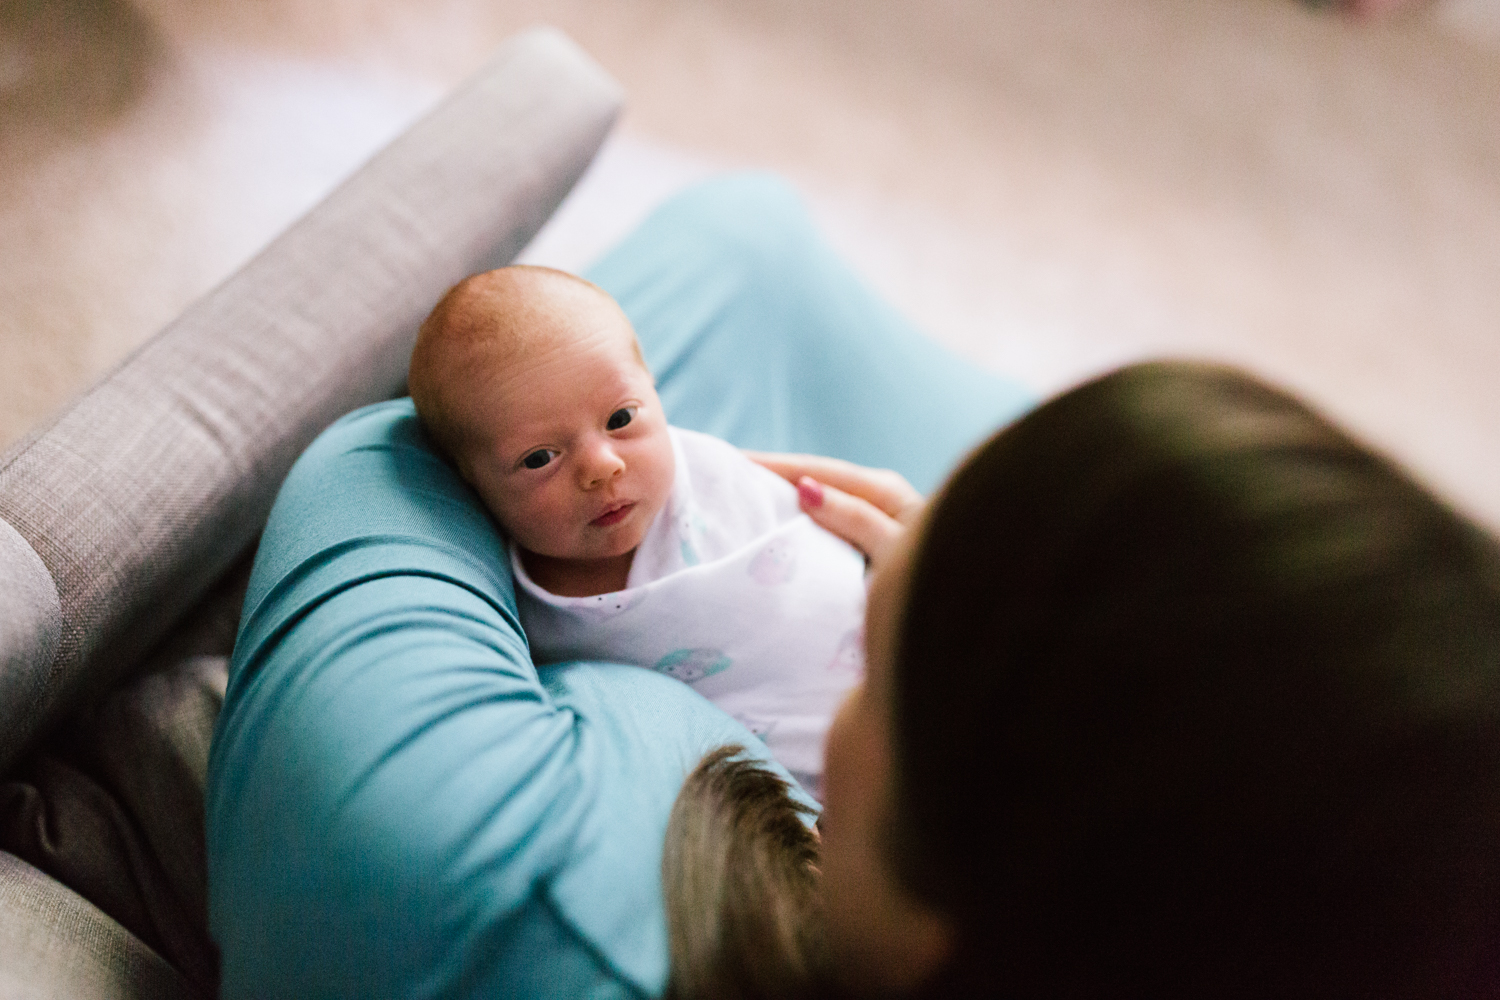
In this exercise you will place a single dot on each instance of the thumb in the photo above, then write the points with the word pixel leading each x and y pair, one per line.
pixel 855 520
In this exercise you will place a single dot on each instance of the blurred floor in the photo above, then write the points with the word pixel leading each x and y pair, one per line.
pixel 1050 188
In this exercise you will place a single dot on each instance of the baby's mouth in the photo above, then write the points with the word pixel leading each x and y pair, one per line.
pixel 614 515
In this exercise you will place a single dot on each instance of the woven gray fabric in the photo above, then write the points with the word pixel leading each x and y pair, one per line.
pixel 139 495
pixel 30 626
pixel 112 805
pixel 54 943
pixel 113 809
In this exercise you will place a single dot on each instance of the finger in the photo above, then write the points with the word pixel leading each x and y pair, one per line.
pixel 784 464
pixel 852 518
pixel 887 490
pixel 788 466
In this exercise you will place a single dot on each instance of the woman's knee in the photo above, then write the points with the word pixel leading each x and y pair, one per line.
pixel 754 221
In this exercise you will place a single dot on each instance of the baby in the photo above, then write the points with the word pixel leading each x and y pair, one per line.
pixel 630 540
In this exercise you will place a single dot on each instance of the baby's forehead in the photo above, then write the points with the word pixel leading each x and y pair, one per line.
pixel 508 368
pixel 532 313
pixel 539 353
pixel 526 400
pixel 508 322
pixel 521 295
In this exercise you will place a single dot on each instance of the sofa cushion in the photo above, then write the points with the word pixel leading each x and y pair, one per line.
pixel 113 809
pixel 111 803
pixel 54 943
pixel 138 496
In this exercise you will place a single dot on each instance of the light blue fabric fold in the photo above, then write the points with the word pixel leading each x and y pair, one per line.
pixel 757 332
pixel 399 805
pixel 396 795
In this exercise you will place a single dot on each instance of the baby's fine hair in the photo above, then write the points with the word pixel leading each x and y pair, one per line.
pixel 484 320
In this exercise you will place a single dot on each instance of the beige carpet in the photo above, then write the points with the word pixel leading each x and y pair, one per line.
pixel 1052 188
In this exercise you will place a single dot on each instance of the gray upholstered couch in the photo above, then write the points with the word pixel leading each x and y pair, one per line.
pixel 127 521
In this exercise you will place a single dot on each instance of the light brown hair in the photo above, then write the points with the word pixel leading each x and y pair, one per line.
pixel 742 887
pixel 487 319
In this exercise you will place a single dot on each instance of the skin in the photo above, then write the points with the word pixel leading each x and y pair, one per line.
pixel 883 939
pixel 560 430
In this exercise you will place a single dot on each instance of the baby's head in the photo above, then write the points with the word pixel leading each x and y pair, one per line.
pixel 532 382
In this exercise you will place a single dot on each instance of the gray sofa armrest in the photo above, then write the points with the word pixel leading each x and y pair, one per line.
pixel 123 510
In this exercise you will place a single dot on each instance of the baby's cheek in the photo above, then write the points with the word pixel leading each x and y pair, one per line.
pixel 661 490
pixel 481 479
pixel 524 521
pixel 549 527
pixel 493 504
pixel 666 466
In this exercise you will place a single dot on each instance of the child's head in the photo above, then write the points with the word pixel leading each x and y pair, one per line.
pixel 742 886
pixel 532 381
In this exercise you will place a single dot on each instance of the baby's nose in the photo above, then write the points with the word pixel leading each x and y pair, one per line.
pixel 603 464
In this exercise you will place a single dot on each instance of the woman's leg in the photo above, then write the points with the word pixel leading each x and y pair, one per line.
pixel 758 333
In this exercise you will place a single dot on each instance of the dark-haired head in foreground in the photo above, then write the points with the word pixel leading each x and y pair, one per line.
pixel 1193 694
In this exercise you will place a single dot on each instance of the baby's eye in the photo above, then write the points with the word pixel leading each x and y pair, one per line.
pixel 620 418
pixel 538 458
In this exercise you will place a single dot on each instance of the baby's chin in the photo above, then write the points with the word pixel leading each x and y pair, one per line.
pixel 601 546
pixel 597 544
pixel 624 545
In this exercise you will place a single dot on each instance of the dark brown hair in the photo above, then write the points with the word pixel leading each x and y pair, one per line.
pixel 1195 695
pixel 740 878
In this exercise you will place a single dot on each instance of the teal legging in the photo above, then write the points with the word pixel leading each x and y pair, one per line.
pixel 759 334
pixel 399 804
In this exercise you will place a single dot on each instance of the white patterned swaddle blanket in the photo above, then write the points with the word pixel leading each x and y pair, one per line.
pixel 734 591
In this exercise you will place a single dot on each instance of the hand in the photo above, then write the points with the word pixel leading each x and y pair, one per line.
pixel 868 508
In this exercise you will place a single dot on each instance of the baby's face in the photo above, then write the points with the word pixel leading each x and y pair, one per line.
pixel 573 456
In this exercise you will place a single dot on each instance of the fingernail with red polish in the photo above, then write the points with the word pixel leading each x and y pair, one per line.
pixel 810 492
